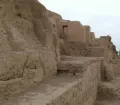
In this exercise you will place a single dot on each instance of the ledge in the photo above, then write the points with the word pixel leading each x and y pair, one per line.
pixel 76 64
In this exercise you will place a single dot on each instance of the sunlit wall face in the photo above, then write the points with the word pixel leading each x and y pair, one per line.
pixel 102 15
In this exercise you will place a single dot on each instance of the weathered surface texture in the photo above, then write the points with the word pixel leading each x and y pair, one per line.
pixel 72 31
pixel 92 37
pixel 74 48
pixel 87 30
pixel 65 88
pixel 108 71
pixel 96 52
pixel 109 48
pixel 27 45
pixel 109 93
pixel 116 67
pixel 31 41
pixel 93 49
pixel 54 15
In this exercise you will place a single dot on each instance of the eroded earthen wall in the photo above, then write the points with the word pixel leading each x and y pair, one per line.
pixel 109 48
pixel 54 15
pixel 85 90
pixel 96 52
pixel 29 49
pixel 72 31
pixel 74 48
pixel 116 66
pixel 87 33
pixel 27 45
pixel 103 42
pixel 92 37
pixel 75 32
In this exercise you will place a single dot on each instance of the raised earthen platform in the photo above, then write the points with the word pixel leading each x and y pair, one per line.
pixel 65 88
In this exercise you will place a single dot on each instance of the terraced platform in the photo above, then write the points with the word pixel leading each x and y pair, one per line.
pixel 65 88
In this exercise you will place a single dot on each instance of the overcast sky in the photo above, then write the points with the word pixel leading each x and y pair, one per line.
pixel 102 15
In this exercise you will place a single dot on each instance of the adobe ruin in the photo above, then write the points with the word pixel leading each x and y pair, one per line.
pixel 72 31
pixel 46 60
pixel 87 33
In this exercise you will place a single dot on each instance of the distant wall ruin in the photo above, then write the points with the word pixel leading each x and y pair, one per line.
pixel 92 37
pixel 72 31
pixel 87 30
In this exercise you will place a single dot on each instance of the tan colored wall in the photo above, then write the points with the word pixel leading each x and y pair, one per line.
pixel 61 24
pixel 55 32
pixel 85 49
pixel 116 65
pixel 54 15
pixel 100 52
pixel 108 54
pixel 72 31
pixel 103 42
pixel 29 51
pixel 92 36
pixel 87 30
pixel 74 49
pixel 75 32
pixel 56 21
pixel 96 52
pixel 27 48
pixel 109 49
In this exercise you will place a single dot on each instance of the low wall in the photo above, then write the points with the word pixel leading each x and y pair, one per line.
pixel 84 92
pixel 85 49
pixel 65 88
pixel 74 48
pixel 96 52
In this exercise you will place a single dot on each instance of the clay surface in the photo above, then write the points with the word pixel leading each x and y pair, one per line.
pixel 47 60
pixel 28 48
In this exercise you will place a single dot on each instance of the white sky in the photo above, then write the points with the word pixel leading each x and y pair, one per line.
pixel 102 15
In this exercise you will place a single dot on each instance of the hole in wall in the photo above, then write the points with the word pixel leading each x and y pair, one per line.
pixel 19 15
pixel 53 25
